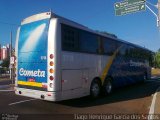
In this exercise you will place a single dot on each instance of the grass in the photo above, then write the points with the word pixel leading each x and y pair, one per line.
pixel 155 71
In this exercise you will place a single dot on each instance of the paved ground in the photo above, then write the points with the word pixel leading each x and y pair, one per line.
pixel 135 99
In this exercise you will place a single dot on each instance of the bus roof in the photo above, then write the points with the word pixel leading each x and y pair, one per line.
pixel 50 15
pixel 99 33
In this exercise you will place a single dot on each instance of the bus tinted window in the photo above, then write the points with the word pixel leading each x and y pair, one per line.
pixel 70 38
pixel 123 51
pixel 88 42
pixel 110 46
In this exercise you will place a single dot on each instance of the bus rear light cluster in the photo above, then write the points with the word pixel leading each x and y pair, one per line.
pixel 51 70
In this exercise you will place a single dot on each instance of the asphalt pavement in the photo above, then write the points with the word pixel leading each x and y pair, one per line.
pixel 134 99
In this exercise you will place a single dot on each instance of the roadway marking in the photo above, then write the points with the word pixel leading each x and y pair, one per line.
pixel 151 111
pixel 152 108
pixel 21 102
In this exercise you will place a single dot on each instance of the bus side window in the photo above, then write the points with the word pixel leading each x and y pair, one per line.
pixel 88 42
pixel 110 46
pixel 70 38
pixel 124 50
pixel 100 50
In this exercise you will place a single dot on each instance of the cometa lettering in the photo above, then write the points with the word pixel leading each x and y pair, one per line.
pixel 36 73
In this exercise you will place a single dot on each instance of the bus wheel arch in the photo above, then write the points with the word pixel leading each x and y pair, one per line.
pixel 95 87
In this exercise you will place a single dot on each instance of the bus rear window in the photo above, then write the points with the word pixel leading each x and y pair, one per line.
pixel 33 36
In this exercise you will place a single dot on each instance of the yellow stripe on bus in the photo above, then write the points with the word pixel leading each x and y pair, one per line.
pixel 35 84
pixel 108 65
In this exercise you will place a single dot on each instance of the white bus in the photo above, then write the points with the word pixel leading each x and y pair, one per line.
pixel 58 59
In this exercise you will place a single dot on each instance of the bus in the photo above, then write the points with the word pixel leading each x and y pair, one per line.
pixel 59 59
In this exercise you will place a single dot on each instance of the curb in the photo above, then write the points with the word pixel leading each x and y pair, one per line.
pixel 154 109
pixel 157 103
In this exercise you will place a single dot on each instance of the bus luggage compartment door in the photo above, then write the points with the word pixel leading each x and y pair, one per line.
pixel 71 79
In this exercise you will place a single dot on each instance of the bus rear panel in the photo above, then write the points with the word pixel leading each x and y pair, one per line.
pixel 35 63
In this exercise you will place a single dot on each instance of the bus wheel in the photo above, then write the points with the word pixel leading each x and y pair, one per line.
pixel 107 86
pixel 95 88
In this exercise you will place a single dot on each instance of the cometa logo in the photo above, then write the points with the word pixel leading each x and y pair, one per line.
pixel 36 73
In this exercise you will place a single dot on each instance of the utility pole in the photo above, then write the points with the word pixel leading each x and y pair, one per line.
pixel 11 72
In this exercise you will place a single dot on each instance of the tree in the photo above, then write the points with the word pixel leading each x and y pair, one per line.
pixel 5 63
pixel 157 59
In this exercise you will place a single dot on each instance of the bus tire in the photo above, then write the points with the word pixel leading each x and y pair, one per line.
pixel 108 86
pixel 95 88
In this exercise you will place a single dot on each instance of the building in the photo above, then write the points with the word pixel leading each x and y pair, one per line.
pixel 4 52
pixel 0 52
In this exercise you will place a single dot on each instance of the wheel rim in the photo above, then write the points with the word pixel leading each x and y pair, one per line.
pixel 108 87
pixel 95 90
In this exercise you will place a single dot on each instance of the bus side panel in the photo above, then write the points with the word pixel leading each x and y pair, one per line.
pixel 78 71
pixel 71 79
pixel 127 71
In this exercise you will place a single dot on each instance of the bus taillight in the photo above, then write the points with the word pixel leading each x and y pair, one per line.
pixel 51 78
pixel 51 70
pixel 51 56
pixel 51 63
pixel 51 85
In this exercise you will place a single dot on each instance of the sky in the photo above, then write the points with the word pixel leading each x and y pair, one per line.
pixel 139 28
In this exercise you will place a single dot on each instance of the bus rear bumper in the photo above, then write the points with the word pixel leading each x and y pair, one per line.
pixel 43 95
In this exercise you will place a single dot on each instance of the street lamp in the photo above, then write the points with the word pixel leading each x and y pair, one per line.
pixel 156 15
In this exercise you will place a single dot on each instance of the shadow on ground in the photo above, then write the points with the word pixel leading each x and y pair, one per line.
pixel 135 91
